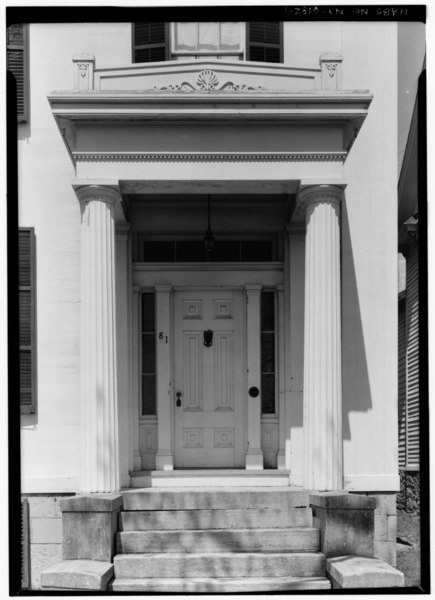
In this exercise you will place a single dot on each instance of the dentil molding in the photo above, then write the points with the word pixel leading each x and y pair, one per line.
pixel 210 156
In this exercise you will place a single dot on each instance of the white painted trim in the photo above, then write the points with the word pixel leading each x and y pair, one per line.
pixel 372 483
pixel 49 485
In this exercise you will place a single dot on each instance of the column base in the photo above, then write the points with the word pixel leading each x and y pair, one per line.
pixel 280 461
pixel 254 459
pixel 164 460
pixel 137 462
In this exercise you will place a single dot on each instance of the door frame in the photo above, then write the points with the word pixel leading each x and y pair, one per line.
pixel 167 279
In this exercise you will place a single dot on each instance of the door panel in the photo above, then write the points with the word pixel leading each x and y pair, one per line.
pixel 209 375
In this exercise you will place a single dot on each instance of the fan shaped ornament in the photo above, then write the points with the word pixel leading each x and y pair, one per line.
pixel 207 81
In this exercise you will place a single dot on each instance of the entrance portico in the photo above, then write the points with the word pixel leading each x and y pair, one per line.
pixel 171 141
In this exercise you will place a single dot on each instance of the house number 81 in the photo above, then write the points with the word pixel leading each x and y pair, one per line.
pixel 161 336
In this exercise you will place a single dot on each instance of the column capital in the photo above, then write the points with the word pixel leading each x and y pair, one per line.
pixel 101 193
pixel 320 194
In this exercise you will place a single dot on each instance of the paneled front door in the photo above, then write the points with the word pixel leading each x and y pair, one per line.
pixel 209 379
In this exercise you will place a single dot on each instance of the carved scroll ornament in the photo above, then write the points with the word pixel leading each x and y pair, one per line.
pixel 207 81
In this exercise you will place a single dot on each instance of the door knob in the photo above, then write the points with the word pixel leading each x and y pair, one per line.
pixel 178 401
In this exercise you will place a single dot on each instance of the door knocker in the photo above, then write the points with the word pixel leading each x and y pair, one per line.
pixel 208 338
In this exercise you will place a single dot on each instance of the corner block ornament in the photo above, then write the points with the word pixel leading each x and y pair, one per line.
pixel 207 81
pixel 83 71
pixel 330 65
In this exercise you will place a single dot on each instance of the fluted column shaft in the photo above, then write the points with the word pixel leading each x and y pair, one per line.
pixel 322 339
pixel 98 402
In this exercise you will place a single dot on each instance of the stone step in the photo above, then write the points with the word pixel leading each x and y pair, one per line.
pixel 222 585
pixel 305 539
pixel 215 519
pixel 225 564
pixel 210 478
pixel 214 498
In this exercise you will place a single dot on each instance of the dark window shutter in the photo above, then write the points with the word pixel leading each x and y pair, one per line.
pixel 264 41
pixel 150 42
pixel 27 319
pixel 17 65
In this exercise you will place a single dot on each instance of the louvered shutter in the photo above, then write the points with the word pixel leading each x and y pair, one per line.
pixel 402 381
pixel 412 361
pixel 150 42
pixel 17 65
pixel 264 41
pixel 27 317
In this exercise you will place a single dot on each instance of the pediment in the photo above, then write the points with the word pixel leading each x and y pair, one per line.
pixel 287 112
pixel 207 76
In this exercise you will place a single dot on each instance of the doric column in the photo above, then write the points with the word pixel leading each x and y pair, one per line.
pixel 98 402
pixel 254 454
pixel 322 339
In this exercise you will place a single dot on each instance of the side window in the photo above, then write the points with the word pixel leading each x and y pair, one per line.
pixel 264 41
pixel 268 341
pixel 27 318
pixel 17 59
pixel 150 42
pixel 148 354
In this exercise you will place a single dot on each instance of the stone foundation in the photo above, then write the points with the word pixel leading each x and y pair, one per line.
pixel 45 534
pixel 385 531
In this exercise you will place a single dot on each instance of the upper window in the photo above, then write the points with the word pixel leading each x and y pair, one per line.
pixel 227 40
pixel 17 65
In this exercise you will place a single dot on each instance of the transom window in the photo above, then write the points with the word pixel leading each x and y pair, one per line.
pixel 254 41
pixel 249 250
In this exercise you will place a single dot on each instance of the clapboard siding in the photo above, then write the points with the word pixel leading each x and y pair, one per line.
pixel 412 383
pixel 402 381
pixel 409 392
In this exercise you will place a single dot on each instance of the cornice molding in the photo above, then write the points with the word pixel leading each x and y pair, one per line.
pixel 210 156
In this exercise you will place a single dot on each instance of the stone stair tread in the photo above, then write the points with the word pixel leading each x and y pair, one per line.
pixel 220 530
pixel 221 584
pixel 214 498
pixel 223 518
pixel 298 539
pixel 219 564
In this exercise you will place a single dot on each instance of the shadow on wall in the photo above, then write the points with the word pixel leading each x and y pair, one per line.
pixel 355 376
